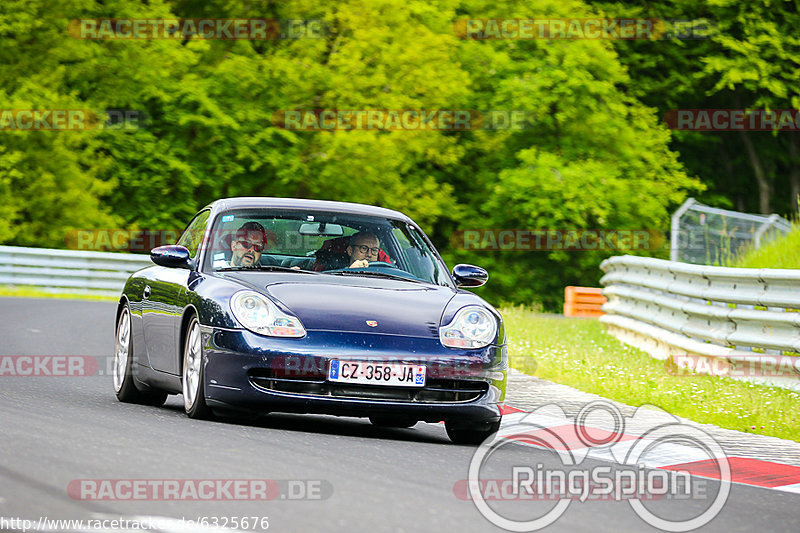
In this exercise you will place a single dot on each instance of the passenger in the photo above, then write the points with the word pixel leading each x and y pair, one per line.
pixel 364 247
pixel 355 251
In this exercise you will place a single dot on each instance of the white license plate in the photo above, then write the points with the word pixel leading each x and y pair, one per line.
pixel 373 373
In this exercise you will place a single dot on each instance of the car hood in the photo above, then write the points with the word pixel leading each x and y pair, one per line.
pixel 367 306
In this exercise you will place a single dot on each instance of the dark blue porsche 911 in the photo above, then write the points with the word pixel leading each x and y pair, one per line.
pixel 307 306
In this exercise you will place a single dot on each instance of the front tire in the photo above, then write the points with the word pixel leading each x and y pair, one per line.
pixel 460 434
pixel 194 400
pixel 124 386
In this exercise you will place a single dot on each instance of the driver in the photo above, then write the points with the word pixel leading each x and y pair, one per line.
pixel 364 247
pixel 247 244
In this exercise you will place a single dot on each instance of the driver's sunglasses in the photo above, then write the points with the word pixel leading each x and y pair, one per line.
pixel 363 248
pixel 255 246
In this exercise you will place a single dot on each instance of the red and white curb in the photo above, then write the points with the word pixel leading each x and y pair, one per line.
pixel 666 456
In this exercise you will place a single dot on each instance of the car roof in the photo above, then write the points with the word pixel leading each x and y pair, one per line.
pixel 302 203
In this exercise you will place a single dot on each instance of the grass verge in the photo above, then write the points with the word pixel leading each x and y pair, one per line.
pixel 579 353
pixel 33 292
pixel 783 252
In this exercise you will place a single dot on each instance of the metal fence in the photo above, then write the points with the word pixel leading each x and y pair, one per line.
pixel 705 235
pixel 101 273
pixel 743 321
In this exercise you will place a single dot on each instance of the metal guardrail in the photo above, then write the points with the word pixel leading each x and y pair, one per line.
pixel 102 273
pixel 745 321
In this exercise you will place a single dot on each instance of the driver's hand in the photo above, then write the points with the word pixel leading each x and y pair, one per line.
pixel 359 263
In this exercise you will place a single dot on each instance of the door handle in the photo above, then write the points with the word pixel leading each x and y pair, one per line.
pixel 146 292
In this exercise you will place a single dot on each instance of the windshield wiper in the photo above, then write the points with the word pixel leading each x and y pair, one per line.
pixel 370 273
pixel 268 268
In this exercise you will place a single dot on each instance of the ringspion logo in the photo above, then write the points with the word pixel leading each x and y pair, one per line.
pixel 638 474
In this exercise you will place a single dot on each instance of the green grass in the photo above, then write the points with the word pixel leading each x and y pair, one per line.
pixel 34 292
pixel 579 353
pixel 783 252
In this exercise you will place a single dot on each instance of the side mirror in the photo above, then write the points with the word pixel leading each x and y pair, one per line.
pixel 171 256
pixel 470 276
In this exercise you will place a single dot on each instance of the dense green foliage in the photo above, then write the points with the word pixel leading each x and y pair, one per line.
pixel 749 61
pixel 595 155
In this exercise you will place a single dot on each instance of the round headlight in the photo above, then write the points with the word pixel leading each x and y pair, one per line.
pixel 258 314
pixel 472 327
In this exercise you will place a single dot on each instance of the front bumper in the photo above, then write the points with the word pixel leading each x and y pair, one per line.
pixel 249 372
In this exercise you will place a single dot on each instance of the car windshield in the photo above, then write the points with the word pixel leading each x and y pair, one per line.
pixel 323 242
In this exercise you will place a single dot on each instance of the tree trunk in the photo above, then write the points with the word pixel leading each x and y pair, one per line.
pixel 728 166
pixel 758 170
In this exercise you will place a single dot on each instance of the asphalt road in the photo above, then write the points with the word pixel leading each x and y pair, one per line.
pixel 55 430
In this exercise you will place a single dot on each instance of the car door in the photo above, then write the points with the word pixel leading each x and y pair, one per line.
pixel 164 299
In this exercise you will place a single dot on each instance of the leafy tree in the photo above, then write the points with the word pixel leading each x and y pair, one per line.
pixel 48 180
pixel 750 60
pixel 592 156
